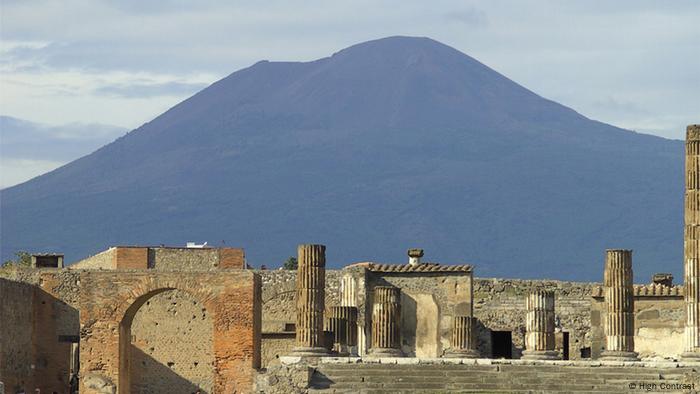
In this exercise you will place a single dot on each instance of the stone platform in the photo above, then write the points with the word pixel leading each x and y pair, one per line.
pixel 412 375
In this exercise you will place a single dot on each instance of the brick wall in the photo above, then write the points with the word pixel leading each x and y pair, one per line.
pixel 231 258
pixel 127 257
pixel 164 258
pixel 231 300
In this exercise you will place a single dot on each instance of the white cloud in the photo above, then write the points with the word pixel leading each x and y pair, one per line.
pixel 14 171
pixel 62 58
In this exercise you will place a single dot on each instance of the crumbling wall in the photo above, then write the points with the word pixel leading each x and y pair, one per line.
pixel 279 296
pixel 279 309
pixel 499 305
pixel 274 346
pixel 45 310
pixel 659 321
pixel 103 260
pixel 184 259
pixel 172 349
pixel 164 258
pixel 428 302
pixel 16 328
pixel 110 300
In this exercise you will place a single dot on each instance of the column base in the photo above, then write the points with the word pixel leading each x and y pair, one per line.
pixel 541 355
pixel 619 356
pixel 690 356
pixel 465 353
pixel 310 352
pixel 385 352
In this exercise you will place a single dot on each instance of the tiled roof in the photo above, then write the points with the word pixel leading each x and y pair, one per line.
pixel 407 268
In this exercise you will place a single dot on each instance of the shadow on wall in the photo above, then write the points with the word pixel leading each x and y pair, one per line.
pixel 168 380
pixel 409 323
pixel 37 333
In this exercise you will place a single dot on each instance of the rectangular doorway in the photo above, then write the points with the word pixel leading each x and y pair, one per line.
pixel 565 346
pixel 501 344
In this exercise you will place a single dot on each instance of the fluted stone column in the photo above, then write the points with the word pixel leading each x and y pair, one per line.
pixel 342 321
pixel 691 253
pixel 619 304
pixel 386 318
pixel 463 340
pixel 539 326
pixel 311 291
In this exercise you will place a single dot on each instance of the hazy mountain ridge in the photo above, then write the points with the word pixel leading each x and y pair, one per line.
pixel 385 145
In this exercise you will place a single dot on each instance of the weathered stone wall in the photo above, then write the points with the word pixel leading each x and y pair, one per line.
pixel 184 259
pixel 499 305
pixel 103 260
pixel 428 301
pixel 279 296
pixel 164 258
pixel 49 307
pixel 16 320
pixel 110 301
pixel 284 379
pixel 92 304
pixel 279 309
pixel 658 325
pixel 172 349
pixel 274 346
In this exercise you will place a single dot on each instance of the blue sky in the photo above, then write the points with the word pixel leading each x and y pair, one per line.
pixel 633 64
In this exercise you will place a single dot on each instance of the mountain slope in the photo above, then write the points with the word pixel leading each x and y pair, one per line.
pixel 385 145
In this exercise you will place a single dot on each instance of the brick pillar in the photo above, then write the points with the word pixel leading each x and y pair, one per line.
pixel 311 292
pixel 342 322
pixel 539 325
pixel 619 304
pixel 691 261
pixel 463 340
pixel 386 318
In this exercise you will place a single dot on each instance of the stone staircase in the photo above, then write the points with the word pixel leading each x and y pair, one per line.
pixel 508 376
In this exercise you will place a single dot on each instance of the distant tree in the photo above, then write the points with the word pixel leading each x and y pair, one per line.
pixel 291 263
pixel 22 259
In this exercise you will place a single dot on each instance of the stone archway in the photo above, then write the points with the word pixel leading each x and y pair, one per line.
pixel 110 301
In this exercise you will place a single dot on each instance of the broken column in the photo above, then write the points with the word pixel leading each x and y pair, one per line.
pixel 311 290
pixel 342 321
pixel 539 325
pixel 386 318
pixel 619 304
pixel 463 340
pixel 691 250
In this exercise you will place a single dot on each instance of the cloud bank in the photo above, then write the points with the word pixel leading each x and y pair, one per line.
pixel 631 63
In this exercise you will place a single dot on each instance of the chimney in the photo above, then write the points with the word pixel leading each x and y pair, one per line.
pixel 414 256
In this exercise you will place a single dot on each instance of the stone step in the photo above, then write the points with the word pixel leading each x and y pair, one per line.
pixel 417 378
pixel 485 390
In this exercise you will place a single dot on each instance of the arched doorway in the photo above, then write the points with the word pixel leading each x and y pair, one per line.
pixel 166 345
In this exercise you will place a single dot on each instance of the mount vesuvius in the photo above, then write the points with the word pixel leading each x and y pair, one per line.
pixel 389 144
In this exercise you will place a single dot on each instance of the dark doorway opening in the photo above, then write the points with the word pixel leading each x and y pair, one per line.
pixel 501 344
pixel 565 346
pixel 586 352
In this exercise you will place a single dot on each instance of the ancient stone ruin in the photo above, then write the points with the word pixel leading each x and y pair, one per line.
pixel 198 319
